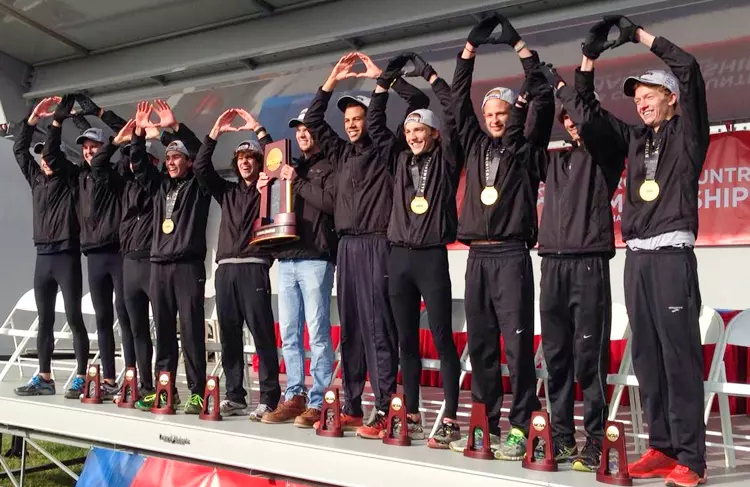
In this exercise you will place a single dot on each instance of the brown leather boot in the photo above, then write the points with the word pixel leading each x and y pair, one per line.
pixel 308 418
pixel 287 411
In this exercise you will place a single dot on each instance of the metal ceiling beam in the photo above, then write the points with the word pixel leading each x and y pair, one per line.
pixel 21 17
pixel 266 7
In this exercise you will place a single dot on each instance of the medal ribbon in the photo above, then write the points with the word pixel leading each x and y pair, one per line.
pixel 651 157
pixel 492 165
pixel 172 199
pixel 419 181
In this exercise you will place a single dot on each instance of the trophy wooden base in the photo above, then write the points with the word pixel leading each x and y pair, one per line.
pixel 397 412
pixel 211 396
pixel 479 422
pixel 614 439
pixel 92 377
pixel 281 230
pixel 540 430
pixel 332 405
pixel 129 389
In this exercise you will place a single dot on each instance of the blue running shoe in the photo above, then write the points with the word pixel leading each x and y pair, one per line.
pixel 76 389
pixel 37 387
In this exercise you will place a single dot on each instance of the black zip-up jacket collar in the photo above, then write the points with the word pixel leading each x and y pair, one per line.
pixel 187 242
pixel 54 199
pixel 580 183
pixel 314 198
pixel 438 225
pixel 523 162
pixel 364 186
pixel 240 207
pixel 684 143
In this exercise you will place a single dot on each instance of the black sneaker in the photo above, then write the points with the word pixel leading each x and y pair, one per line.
pixel 590 457
pixel 564 449
pixel 447 433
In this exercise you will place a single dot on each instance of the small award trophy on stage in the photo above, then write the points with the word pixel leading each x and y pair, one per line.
pixel 164 386
pixel 614 439
pixel 540 431
pixel 276 223
pixel 330 414
pixel 92 377
pixel 211 410
pixel 129 389
pixel 397 415
pixel 479 424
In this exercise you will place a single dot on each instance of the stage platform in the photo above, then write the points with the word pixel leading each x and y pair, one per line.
pixel 280 450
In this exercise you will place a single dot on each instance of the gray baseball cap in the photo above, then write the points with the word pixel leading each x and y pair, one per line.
pixel 94 134
pixel 248 145
pixel 149 149
pixel 178 146
pixel 39 147
pixel 347 100
pixel 300 120
pixel 656 77
pixel 424 116
pixel 500 93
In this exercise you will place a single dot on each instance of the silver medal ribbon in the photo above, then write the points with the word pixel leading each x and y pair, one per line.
pixel 491 165
pixel 172 199
pixel 651 157
pixel 419 181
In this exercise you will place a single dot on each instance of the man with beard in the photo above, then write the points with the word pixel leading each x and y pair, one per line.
pixel 364 198
pixel 243 287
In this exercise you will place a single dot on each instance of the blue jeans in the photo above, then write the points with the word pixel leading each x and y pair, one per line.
pixel 305 296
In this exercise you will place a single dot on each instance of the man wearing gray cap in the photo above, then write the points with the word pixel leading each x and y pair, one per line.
pixel 659 225
pixel 498 221
pixel 178 251
pixel 54 190
pixel 99 214
pixel 243 286
pixel 426 167
pixel 364 198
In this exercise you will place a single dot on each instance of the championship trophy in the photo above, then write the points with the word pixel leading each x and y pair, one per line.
pixel 397 415
pixel 211 410
pixel 164 386
pixel 330 414
pixel 92 377
pixel 276 223
pixel 479 424
pixel 129 389
pixel 540 431
pixel 614 439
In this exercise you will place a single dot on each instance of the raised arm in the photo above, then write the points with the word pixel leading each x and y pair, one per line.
pixel 329 141
pixel 101 165
pixel 52 153
pixel 203 167
pixel 414 98
pixel 88 107
pixel 25 160
pixel 145 173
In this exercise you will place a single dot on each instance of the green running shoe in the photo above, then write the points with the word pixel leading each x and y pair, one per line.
pixel 514 448
pixel 194 404
pixel 147 401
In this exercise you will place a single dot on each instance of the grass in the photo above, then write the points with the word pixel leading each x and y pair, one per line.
pixel 49 478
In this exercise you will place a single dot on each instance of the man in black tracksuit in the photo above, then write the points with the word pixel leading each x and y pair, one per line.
pixel 243 286
pixel 364 198
pixel 576 241
pixel 99 217
pixel 178 249
pixel 54 192
pixel 423 221
pixel 498 220
pixel 660 225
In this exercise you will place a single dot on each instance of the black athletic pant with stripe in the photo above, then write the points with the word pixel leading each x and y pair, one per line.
pixel 499 299
pixel 369 339
pixel 136 281
pixel 61 269
pixel 663 299
pixel 414 274
pixel 576 312
pixel 105 277
pixel 243 295
pixel 180 287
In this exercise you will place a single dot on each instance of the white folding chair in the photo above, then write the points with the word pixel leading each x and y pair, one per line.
pixel 737 333
pixel 21 338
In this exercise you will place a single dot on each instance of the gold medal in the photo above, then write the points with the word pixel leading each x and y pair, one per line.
pixel 649 190
pixel 419 205
pixel 489 196
pixel 167 226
